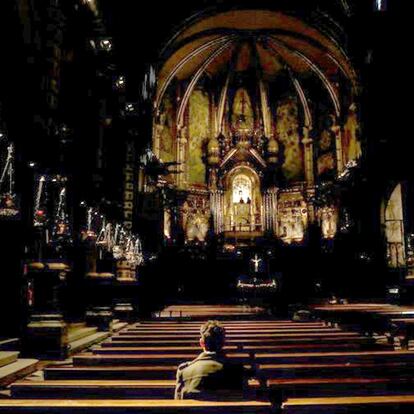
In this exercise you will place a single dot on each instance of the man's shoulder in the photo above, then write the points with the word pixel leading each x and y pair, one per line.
pixel 201 361
pixel 184 365
pixel 187 364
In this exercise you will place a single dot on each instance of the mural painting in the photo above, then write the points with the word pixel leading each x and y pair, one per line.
pixel 165 130
pixel 287 130
pixel 326 151
pixel 199 132
pixel 351 146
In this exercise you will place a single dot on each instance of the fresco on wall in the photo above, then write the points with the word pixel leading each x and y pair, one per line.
pixel 165 130
pixel 351 146
pixel 287 130
pixel 325 150
pixel 198 134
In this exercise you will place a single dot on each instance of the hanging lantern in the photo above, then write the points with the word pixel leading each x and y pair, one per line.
pixel 9 205
pixel 40 208
pixel 61 226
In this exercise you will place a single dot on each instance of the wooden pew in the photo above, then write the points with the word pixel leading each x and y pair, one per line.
pixel 309 325
pixel 121 389
pixel 88 359
pixel 325 387
pixel 335 357
pixel 152 372
pixel 239 336
pixel 282 340
pixel 229 332
pixel 253 327
pixel 155 350
pixel 228 349
pixel 334 370
pixel 94 406
pixel 401 404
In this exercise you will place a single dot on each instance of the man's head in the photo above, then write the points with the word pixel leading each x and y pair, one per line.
pixel 212 336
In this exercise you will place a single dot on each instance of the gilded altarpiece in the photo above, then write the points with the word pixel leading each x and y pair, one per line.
pixel 243 207
pixel 292 217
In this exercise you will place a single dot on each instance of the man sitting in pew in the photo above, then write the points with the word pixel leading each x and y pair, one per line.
pixel 211 375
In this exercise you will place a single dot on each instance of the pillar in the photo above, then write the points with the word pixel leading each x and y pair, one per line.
pixel 181 157
pixel 308 155
pixel 270 211
pixel 338 131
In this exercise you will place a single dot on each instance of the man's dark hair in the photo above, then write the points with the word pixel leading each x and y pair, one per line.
pixel 213 335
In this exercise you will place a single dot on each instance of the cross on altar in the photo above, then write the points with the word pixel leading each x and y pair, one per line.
pixel 256 261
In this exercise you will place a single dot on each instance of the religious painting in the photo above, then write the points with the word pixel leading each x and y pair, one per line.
pixel 196 218
pixel 351 145
pixel 199 132
pixel 292 217
pixel 326 164
pixel 325 150
pixel 394 229
pixel 287 130
pixel 164 130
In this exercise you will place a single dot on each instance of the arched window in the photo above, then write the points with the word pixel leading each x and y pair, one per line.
pixel 394 229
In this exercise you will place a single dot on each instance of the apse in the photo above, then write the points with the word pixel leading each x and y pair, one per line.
pixel 266 92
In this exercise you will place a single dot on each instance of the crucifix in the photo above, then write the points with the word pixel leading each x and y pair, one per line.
pixel 256 261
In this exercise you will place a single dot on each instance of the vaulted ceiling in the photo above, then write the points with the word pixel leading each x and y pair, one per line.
pixel 268 42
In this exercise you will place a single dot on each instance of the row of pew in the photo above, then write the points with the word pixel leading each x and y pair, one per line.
pixel 396 322
pixel 298 367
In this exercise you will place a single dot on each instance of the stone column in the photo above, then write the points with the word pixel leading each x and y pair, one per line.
pixel 270 211
pixel 216 204
pixel 338 131
pixel 156 133
pixel 46 333
pixel 308 152
pixel 310 195
pixel 273 199
pixel 181 157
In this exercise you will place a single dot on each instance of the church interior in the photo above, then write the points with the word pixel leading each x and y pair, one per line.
pixel 164 164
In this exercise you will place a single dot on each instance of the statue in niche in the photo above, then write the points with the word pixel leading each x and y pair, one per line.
pixel 328 217
pixel 242 203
